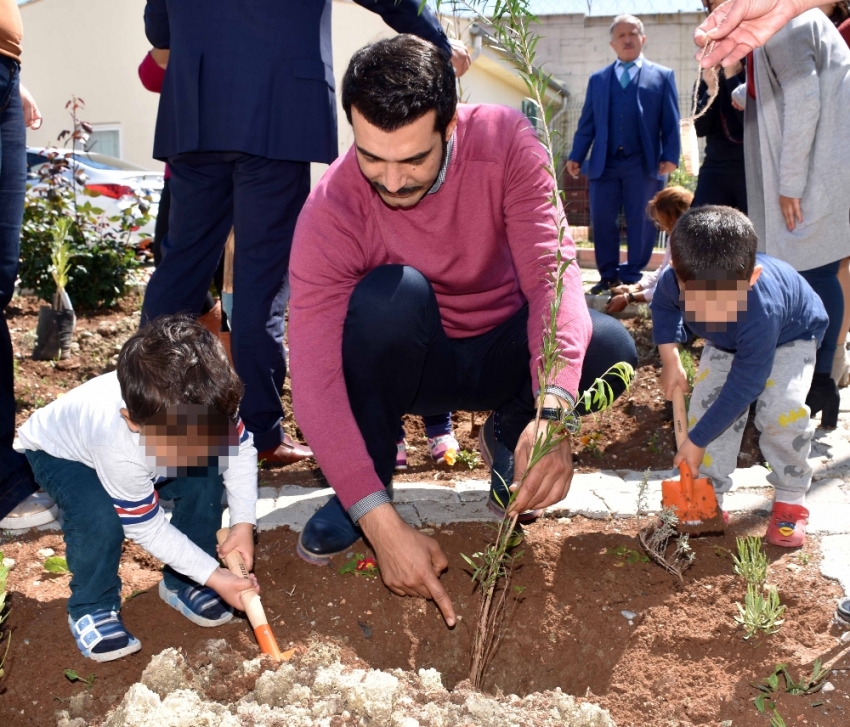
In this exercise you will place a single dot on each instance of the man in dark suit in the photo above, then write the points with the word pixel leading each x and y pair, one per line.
pixel 247 103
pixel 631 117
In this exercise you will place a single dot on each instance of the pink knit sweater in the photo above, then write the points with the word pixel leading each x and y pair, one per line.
pixel 482 241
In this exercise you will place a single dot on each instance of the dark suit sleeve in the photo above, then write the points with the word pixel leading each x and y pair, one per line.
pixel 403 16
pixel 156 24
pixel 586 130
pixel 671 142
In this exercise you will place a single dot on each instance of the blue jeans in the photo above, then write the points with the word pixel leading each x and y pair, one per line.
pixel 824 281
pixel 15 479
pixel 398 360
pixel 93 531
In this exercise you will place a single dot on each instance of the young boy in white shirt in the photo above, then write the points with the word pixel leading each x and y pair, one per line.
pixel 165 425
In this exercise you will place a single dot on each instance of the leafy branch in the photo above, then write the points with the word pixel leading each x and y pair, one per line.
pixel 493 568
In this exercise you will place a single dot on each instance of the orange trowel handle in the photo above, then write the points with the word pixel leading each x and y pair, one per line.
pixel 251 601
pixel 680 416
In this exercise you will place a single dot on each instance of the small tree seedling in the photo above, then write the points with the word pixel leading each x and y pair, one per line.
pixel 470 459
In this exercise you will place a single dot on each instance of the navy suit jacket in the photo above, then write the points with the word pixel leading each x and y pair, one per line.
pixel 658 109
pixel 256 76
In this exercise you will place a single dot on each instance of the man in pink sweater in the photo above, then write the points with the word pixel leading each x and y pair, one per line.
pixel 418 286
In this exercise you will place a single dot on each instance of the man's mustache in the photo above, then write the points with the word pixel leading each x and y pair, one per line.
pixel 403 192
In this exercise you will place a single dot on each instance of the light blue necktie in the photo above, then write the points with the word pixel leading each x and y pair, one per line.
pixel 626 77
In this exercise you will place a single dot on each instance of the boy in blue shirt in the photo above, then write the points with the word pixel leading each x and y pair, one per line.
pixel 762 324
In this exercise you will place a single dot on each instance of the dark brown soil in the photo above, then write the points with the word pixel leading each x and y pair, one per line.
pixel 681 662
pixel 637 433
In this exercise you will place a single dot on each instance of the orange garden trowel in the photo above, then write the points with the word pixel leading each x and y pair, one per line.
pixel 693 500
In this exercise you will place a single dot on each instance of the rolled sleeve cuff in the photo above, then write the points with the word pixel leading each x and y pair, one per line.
pixel 367 504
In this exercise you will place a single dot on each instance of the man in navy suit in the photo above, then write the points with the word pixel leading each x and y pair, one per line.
pixel 247 103
pixel 631 117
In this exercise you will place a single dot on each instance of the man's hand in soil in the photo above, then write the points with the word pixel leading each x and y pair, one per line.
pixel 230 587
pixel 739 26
pixel 240 539
pixel 672 374
pixel 549 480
pixel 410 562
pixel 691 454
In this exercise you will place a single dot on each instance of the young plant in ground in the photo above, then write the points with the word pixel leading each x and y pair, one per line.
pixel 493 567
pixel 751 561
pixel 627 555
pixel 689 365
pixel 4 614
pixel 760 612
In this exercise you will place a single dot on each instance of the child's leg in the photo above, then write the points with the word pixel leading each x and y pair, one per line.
pixel 92 531
pixel 197 514
pixel 721 455
pixel 784 422
pixel 437 425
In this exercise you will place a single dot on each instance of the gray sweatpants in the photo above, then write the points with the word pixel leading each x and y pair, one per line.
pixel 782 417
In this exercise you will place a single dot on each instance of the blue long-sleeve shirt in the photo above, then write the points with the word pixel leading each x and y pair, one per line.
pixel 781 307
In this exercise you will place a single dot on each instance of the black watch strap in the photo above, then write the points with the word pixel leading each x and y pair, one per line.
pixel 557 414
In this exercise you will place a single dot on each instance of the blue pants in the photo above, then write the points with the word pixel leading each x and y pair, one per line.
pixel 824 281
pixel 623 185
pixel 93 532
pixel 16 481
pixel 398 360
pixel 261 199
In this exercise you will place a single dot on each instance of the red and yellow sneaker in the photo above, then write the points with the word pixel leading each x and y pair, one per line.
pixel 787 526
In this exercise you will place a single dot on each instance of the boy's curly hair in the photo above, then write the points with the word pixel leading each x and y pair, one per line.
pixel 175 360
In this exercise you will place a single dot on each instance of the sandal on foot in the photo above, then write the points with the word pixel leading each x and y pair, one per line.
pixel 102 636
pixel 200 604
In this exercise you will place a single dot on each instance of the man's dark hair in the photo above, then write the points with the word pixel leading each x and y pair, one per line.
pixel 175 360
pixel 396 81
pixel 713 243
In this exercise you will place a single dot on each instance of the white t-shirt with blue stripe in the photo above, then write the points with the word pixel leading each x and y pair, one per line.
pixel 85 425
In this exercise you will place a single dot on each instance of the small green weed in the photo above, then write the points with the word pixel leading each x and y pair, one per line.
pixel 688 363
pixel 621 552
pixel 361 565
pixel 770 685
pixel 72 676
pixel 470 459
pixel 56 564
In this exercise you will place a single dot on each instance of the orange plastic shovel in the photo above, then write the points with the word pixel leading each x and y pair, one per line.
pixel 693 500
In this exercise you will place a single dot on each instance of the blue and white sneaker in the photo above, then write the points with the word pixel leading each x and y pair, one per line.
pixel 200 604
pixel 101 636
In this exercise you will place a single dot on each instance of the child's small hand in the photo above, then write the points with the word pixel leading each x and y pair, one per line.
pixel 230 587
pixel 692 454
pixel 240 539
pixel 673 377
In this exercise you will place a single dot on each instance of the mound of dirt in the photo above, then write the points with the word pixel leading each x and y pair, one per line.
pixel 317 689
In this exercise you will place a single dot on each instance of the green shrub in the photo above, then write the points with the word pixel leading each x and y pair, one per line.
pixel 101 251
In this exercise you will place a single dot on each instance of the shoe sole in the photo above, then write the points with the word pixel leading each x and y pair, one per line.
pixel 172 600
pixel 312 558
pixel 131 648
pixel 24 522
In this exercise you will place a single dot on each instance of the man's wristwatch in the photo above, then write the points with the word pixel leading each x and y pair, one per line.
pixel 630 297
pixel 567 417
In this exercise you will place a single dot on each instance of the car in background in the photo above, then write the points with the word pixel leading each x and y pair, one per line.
pixel 107 182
